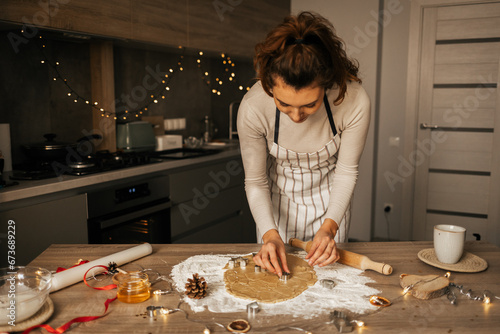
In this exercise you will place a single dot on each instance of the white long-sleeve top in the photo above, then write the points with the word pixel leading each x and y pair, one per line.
pixel 255 125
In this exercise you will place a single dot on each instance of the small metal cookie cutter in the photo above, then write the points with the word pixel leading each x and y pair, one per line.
pixel 253 309
pixel 340 321
pixel 257 269
pixel 285 277
pixel 243 262
pixel 327 283
pixel 151 311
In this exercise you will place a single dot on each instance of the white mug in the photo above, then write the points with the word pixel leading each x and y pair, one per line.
pixel 449 243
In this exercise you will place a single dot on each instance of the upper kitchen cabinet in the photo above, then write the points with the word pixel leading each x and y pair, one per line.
pixel 27 11
pixel 110 18
pixel 160 22
pixel 233 26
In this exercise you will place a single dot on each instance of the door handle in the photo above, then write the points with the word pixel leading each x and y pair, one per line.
pixel 428 126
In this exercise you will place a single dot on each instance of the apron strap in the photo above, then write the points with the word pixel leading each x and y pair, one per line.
pixel 330 116
pixel 328 112
pixel 277 125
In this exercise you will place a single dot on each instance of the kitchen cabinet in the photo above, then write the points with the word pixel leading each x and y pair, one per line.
pixel 38 226
pixel 231 26
pixel 209 205
pixel 160 22
pixel 109 18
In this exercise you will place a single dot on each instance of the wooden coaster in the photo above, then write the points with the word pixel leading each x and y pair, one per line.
pixel 469 263
pixel 36 319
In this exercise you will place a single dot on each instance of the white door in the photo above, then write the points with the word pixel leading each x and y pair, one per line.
pixel 456 152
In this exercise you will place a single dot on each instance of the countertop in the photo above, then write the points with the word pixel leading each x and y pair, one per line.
pixel 406 314
pixel 32 188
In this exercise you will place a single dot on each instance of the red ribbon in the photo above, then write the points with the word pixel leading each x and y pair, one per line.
pixel 67 325
pixel 107 287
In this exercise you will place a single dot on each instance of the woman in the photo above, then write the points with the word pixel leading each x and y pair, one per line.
pixel 302 128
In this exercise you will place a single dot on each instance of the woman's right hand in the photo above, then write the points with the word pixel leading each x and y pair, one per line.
pixel 272 251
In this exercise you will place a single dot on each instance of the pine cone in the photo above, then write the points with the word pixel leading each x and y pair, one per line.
pixel 196 287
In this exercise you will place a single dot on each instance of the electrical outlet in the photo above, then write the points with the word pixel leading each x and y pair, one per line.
pixel 388 207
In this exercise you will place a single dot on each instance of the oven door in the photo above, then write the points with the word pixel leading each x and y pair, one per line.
pixel 146 224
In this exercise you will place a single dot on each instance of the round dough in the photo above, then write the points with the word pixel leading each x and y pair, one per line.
pixel 266 287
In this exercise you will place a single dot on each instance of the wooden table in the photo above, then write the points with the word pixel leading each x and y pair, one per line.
pixel 406 315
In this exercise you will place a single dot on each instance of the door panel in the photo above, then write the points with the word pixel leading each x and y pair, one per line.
pixel 461 117
pixel 467 53
pixel 466 161
pixel 473 225
pixel 457 182
pixel 470 98
pixel 468 28
pixel 465 73
pixel 457 204
pixel 465 12
pixel 458 193
pixel 463 142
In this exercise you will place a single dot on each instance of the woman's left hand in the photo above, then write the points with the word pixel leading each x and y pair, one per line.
pixel 324 249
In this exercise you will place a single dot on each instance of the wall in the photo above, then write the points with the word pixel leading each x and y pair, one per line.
pixel 34 104
pixel 350 19
pixel 376 34
pixel 392 110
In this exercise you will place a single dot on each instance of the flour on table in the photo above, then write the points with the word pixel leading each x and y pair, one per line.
pixel 350 292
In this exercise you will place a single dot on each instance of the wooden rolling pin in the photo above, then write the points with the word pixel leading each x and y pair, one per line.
pixel 351 259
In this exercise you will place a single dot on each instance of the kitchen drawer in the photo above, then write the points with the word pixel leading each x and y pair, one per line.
pixel 204 211
pixel 36 227
pixel 238 229
pixel 206 181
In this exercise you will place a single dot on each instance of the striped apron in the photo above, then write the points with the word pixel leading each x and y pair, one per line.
pixel 300 185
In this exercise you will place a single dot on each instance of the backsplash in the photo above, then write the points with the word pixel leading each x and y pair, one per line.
pixel 34 103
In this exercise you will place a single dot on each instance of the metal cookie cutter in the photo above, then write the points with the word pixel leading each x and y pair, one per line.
pixel 151 311
pixel 285 277
pixel 253 309
pixel 257 269
pixel 339 319
pixel 327 283
pixel 243 262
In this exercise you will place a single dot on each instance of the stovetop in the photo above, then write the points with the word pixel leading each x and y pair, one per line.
pixel 101 161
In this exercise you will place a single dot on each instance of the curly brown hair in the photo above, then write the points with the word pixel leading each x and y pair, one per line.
pixel 304 50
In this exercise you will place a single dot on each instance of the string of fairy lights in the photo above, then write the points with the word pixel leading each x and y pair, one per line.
pixel 227 75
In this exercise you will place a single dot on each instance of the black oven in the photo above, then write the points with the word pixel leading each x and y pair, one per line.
pixel 133 212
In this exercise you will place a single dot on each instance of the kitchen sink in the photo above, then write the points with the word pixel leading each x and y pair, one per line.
pixel 184 153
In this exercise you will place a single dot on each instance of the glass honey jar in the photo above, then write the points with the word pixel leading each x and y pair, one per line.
pixel 132 287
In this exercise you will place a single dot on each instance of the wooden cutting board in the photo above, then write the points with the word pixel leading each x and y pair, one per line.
pixel 425 286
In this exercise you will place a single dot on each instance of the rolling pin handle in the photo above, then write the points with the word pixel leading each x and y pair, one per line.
pixel 386 269
pixel 294 242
